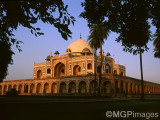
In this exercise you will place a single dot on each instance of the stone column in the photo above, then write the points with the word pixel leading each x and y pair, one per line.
pixel 29 88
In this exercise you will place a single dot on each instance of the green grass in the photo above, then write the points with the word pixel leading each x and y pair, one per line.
pixel 47 108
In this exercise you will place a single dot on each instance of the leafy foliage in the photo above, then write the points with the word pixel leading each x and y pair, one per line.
pixel 5 58
pixel 27 13
pixel 12 93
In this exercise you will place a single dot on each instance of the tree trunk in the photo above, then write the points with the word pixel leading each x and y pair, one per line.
pixel 142 91
pixel 95 71
pixel 100 74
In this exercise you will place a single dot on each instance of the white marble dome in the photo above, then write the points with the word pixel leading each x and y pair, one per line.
pixel 78 46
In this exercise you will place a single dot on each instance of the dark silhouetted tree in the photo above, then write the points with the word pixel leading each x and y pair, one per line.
pixel 27 13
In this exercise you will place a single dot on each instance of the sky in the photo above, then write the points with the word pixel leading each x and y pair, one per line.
pixel 36 49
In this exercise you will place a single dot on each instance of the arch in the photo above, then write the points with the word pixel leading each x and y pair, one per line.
pixel 72 87
pixel 76 70
pixel 39 74
pixel 127 88
pixel 25 88
pixel 82 87
pixel 106 87
pixel 115 72
pixel 92 86
pixel 117 89
pixel 135 88
pixel 5 88
pixel 54 88
pixel 108 68
pixel 121 73
pixel 46 88
pixel 9 87
pixel 39 88
pixel 62 87
pixel 131 88
pixel 59 70
pixel 89 66
pixel 48 71
pixel 20 88
pixel 98 69
pixel 15 87
pixel 32 88
pixel 0 89
pixel 139 89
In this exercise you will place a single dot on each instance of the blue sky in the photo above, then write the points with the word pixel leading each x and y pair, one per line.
pixel 37 48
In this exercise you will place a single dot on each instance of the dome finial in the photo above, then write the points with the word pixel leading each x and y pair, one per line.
pixel 80 36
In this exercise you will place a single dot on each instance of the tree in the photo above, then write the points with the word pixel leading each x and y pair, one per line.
pixel 95 45
pixel 5 58
pixel 100 17
pixel 27 13
pixel 157 44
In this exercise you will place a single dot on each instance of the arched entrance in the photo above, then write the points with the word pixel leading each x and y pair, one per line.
pixel 25 88
pixel 122 89
pixel 127 90
pixel 9 88
pixel 98 69
pixel 59 70
pixel 54 88
pixel 131 88
pixel 108 68
pixel 20 88
pixel 63 87
pixel 5 88
pixel 0 89
pixel 72 87
pixel 15 87
pixel 39 74
pixel 39 88
pixel 82 87
pixel 46 88
pixel 117 90
pixel 115 72
pixel 92 86
pixel 106 87
pixel 76 70
pixel 32 87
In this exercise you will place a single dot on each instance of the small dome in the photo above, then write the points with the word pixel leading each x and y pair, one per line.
pixel 79 45
pixel 108 54
pixel 48 57
pixel 85 50
pixel 57 53
pixel 68 50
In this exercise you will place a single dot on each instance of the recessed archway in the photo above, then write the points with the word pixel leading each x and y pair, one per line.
pixel 0 89
pixel 108 68
pixel 15 87
pixel 82 87
pixel 39 74
pixel 89 66
pixel 46 88
pixel 98 69
pixel 117 89
pixel 76 70
pixel 39 88
pixel 32 88
pixel 20 88
pixel 59 70
pixel 63 87
pixel 106 87
pixel 5 88
pixel 93 86
pixel 25 88
pixel 9 88
pixel 54 88
pixel 72 87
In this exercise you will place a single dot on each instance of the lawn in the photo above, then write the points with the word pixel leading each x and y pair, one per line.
pixel 50 108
